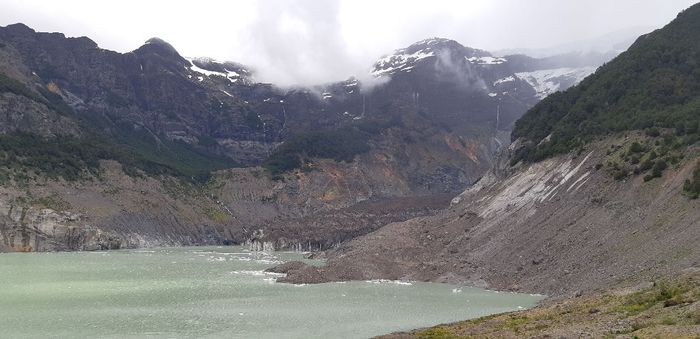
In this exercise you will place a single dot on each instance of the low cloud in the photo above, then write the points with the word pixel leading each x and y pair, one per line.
pixel 369 82
pixel 298 42
pixel 460 72
pixel 319 41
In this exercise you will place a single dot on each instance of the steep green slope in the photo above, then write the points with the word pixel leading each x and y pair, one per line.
pixel 73 158
pixel 655 84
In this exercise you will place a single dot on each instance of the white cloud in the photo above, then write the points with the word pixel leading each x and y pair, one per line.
pixel 309 41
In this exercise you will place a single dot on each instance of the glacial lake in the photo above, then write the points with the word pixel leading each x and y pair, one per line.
pixel 215 292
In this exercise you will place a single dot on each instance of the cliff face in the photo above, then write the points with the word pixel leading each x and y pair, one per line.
pixel 553 227
pixel 306 211
pixel 110 212
pixel 69 110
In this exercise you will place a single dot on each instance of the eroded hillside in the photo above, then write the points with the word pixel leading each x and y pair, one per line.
pixel 556 227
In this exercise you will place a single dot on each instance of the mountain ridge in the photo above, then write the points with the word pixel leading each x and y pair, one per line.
pixel 180 124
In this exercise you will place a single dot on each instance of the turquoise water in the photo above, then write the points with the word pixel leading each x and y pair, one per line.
pixel 214 292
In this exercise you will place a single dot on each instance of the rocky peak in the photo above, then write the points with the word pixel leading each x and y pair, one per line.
pixel 159 47
pixel 18 29
pixel 442 44
pixel 406 59
pixel 23 34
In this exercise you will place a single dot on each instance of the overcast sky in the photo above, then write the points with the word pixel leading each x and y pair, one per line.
pixel 312 41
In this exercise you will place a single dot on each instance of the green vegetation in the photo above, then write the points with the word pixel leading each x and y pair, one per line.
pixel 74 158
pixel 216 215
pixel 437 333
pixel 668 309
pixel 654 85
pixel 157 155
pixel 665 293
pixel 65 157
pixel 340 145
pixel 643 154
pixel 692 185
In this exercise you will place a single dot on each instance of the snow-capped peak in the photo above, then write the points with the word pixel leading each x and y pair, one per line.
pixel 401 60
pixel 405 59
pixel 210 67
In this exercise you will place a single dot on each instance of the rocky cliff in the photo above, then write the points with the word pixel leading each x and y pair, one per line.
pixel 151 148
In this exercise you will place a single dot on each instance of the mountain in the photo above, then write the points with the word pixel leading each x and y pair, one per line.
pixel 103 149
pixel 598 190
pixel 654 84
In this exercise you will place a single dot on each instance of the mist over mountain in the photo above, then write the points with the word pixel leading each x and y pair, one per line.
pixel 305 42
pixel 430 118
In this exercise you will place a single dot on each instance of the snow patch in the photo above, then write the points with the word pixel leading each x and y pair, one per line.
pixel 486 60
pixel 232 76
pixel 546 82
pixel 401 61
pixel 504 80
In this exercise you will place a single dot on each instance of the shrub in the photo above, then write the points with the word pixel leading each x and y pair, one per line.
pixel 634 160
pixel 652 132
pixel 620 174
pixel 646 165
pixel 636 148
pixel 658 168
pixel 692 185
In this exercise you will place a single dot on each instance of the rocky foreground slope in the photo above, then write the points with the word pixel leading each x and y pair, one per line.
pixel 660 309
pixel 554 227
